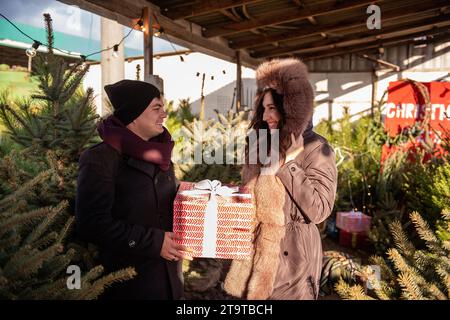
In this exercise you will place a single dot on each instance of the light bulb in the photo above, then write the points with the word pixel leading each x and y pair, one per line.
pixel 31 52
pixel 83 59
pixel 115 53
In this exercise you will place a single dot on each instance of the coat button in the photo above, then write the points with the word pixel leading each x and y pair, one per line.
pixel 292 169
pixel 285 253
pixel 132 243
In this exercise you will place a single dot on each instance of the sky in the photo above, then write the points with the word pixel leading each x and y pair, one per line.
pixel 71 20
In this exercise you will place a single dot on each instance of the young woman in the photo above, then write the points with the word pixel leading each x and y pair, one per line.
pixel 291 195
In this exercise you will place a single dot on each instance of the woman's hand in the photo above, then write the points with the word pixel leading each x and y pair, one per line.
pixel 295 148
pixel 173 251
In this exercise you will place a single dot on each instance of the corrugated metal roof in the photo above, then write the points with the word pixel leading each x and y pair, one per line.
pixel 433 57
pixel 253 25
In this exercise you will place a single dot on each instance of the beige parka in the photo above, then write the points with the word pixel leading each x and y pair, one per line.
pixel 287 256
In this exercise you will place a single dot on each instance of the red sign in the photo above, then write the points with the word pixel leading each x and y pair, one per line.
pixel 407 105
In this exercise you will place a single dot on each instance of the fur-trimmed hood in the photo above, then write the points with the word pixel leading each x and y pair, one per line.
pixel 289 77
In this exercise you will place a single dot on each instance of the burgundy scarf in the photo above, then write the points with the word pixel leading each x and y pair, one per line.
pixel 157 150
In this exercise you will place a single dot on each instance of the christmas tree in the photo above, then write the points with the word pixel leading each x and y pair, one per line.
pixel 409 272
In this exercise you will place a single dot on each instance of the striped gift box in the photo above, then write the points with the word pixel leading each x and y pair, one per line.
pixel 353 221
pixel 231 228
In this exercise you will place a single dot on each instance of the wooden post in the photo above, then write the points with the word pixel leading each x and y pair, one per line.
pixel 113 68
pixel 148 43
pixel 374 91
pixel 202 100
pixel 29 64
pixel 238 81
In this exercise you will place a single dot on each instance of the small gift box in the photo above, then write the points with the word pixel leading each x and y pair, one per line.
pixel 353 221
pixel 353 239
pixel 214 221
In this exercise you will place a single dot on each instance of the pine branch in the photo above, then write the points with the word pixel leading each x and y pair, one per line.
pixel 43 226
pixel 24 218
pixel 348 292
pixel 58 265
pixel 20 193
pixel 424 261
pixel 425 233
pixel 49 30
pixel 446 215
pixel 73 84
pixel 93 274
pixel 446 245
pixel 385 271
pixel 10 241
pixel 410 288
pixel 66 230
pixel 445 277
pixel 23 266
pixel 436 293
pixel 401 241
pixel 46 240
pixel 385 291
pixel 98 287
pixel 47 291
pixel 10 112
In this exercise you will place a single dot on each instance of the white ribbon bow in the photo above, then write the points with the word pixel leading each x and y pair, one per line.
pixel 212 188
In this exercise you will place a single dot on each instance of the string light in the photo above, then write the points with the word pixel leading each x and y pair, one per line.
pixel 31 52
pixel 159 32
pixel 141 24
pixel 198 74
pixel 212 77
pixel 223 71
pixel 83 59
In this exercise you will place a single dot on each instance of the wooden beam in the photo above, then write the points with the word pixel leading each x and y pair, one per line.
pixel 380 61
pixel 355 39
pixel 387 16
pixel 181 32
pixel 230 15
pixel 285 17
pixel 238 82
pixel 193 40
pixel 148 43
pixel 119 11
pixel 374 46
pixel 205 7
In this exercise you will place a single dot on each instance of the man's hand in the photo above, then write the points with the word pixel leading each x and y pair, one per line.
pixel 173 251
pixel 295 148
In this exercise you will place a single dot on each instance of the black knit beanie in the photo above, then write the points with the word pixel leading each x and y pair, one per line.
pixel 130 98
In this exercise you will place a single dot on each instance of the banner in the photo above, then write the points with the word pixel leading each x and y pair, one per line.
pixel 407 105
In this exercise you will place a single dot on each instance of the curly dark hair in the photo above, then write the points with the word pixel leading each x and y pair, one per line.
pixel 257 123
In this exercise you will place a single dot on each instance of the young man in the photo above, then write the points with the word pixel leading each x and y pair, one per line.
pixel 126 188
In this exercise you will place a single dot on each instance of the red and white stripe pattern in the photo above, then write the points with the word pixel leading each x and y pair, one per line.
pixel 234 222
